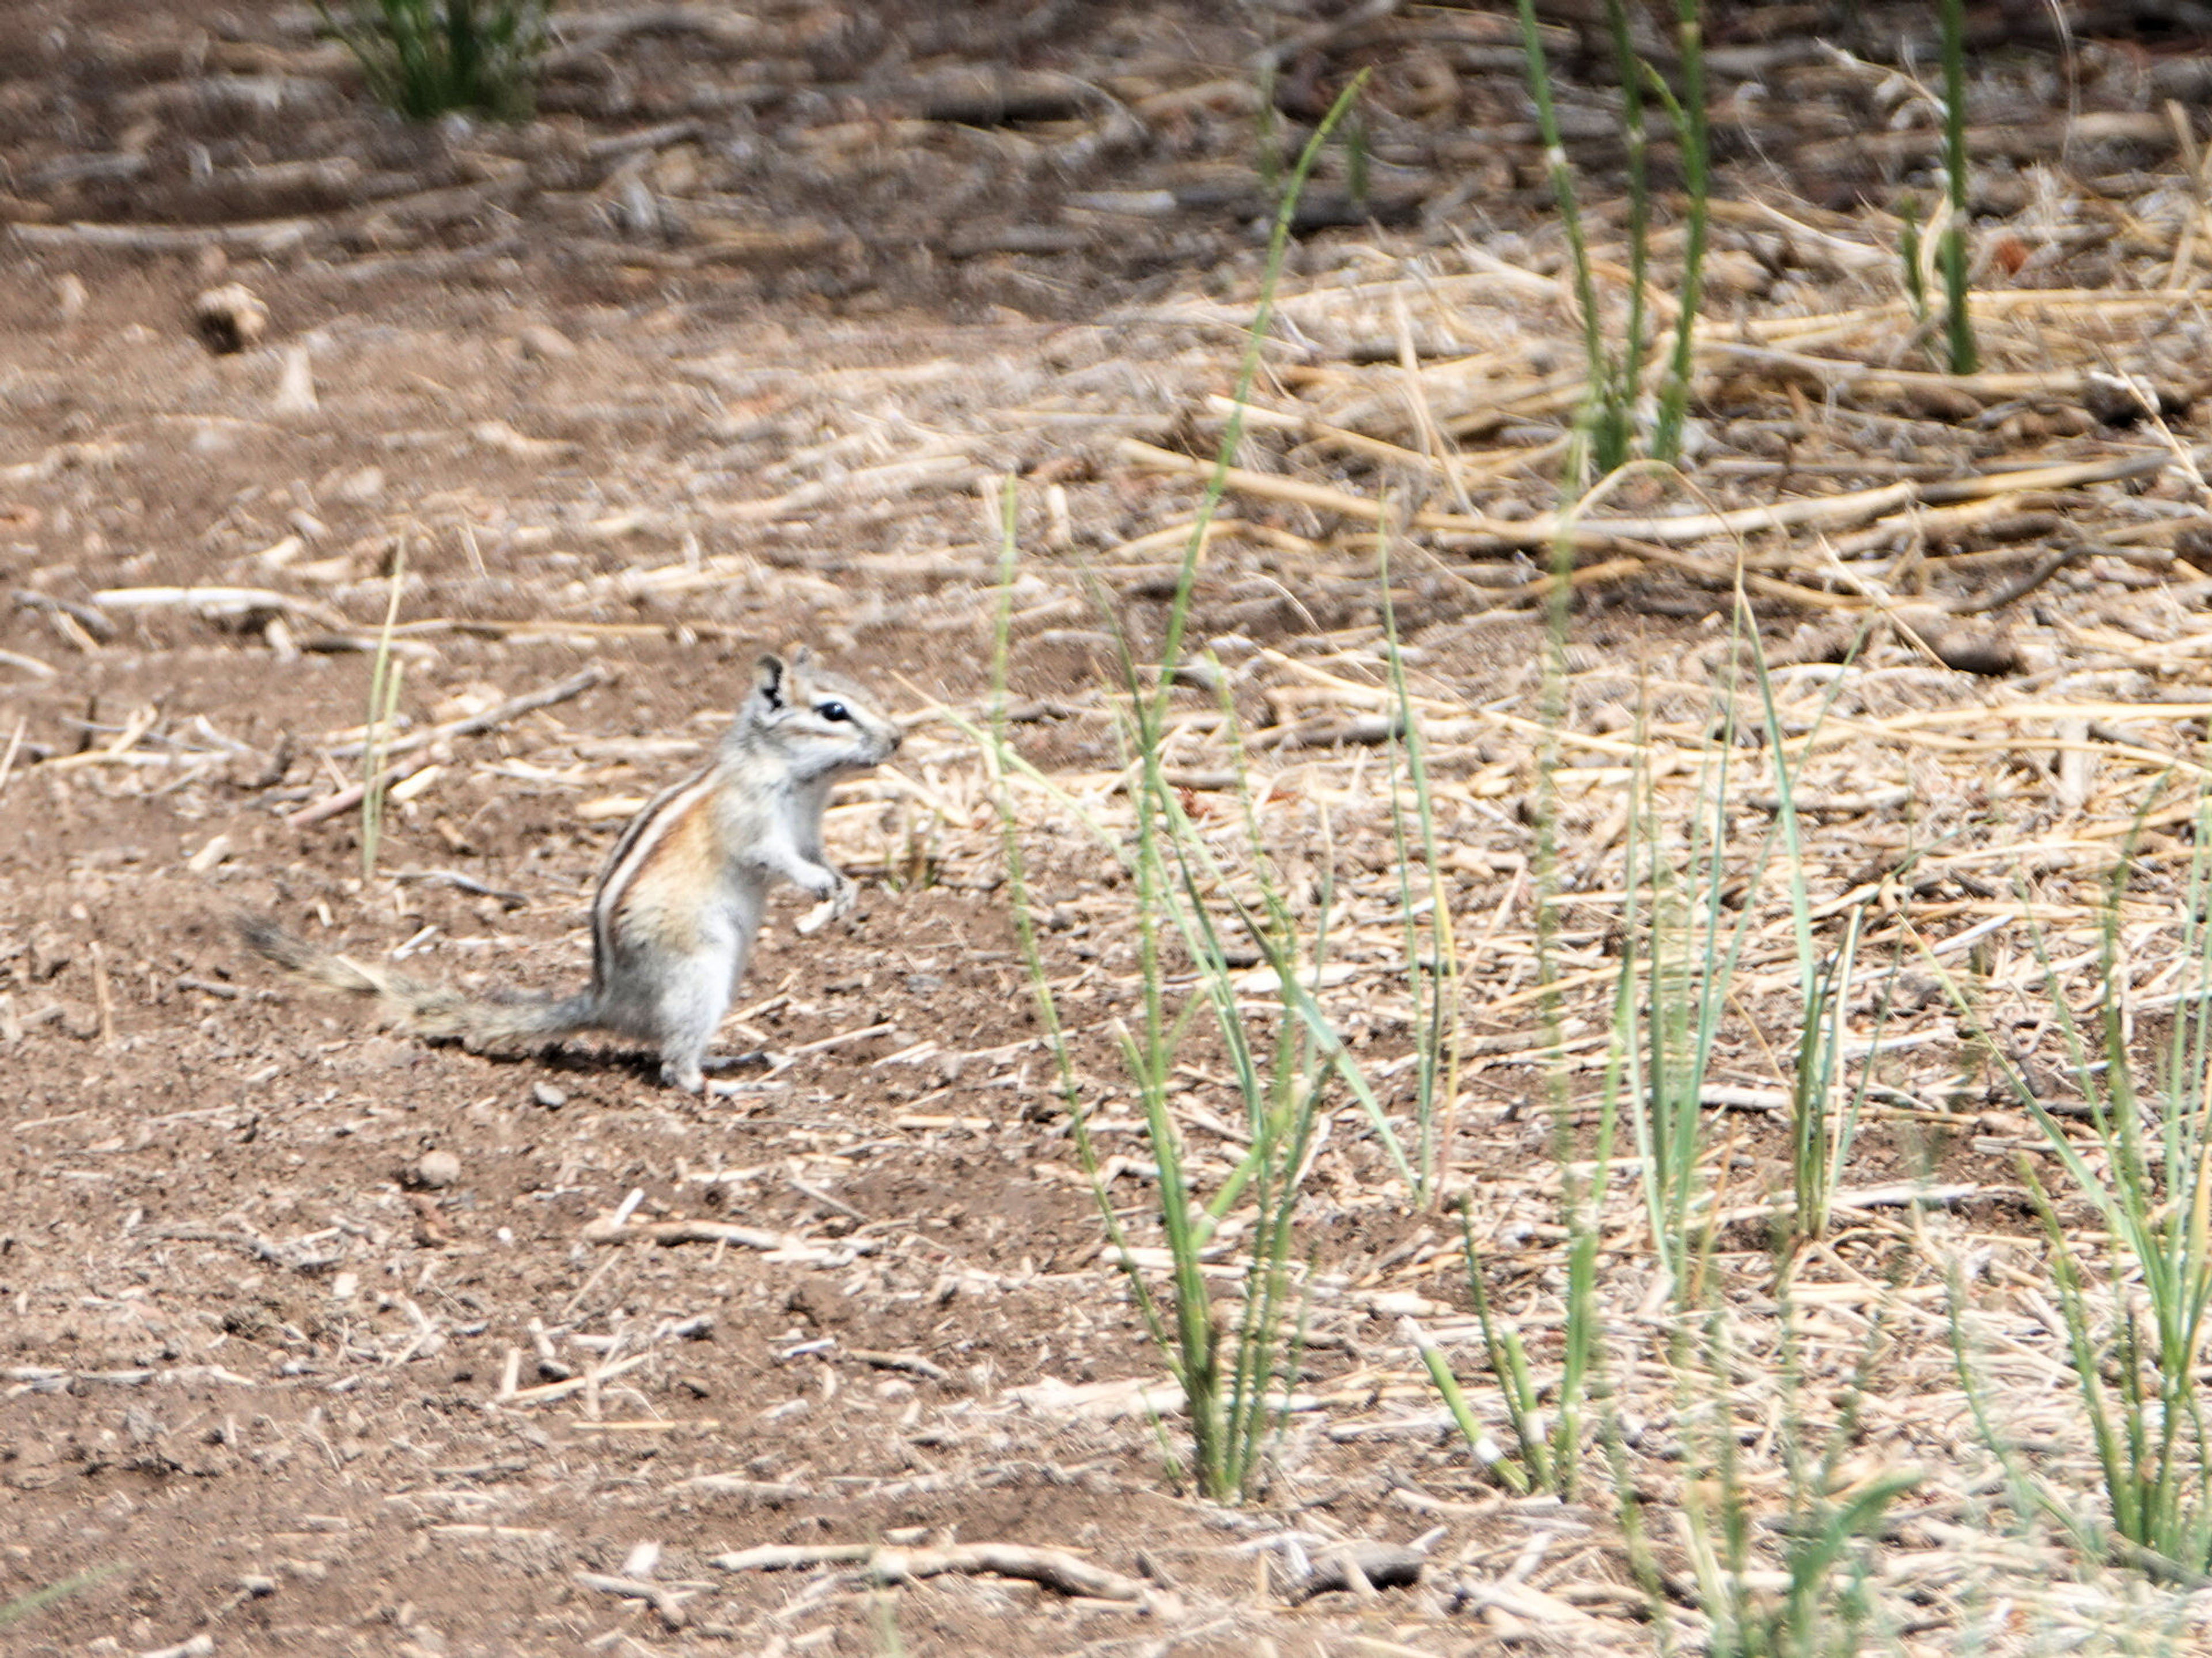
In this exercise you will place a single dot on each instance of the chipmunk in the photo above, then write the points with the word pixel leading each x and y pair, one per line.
pixel 681 895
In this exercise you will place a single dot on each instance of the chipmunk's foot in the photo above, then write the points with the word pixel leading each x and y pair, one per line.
pixel 836 907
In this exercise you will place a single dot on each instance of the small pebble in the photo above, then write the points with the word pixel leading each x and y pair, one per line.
pixel 546 1095
pixel 436 1169
pixel 231 318
pixel 545 344
pixel 295 392
pixel 216 849
pixel 359 489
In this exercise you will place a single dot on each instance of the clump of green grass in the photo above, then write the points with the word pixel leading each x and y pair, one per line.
pixel 1679 961
pixel 1232 1364
pixel 1233 1371
pixel 1611 416
pixel 424 58
pixel 1689 899
pixel 1823 1603
pixel 2134 1300
pixel 1432 975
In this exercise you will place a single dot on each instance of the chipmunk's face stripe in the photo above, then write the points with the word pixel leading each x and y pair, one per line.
pixel 677 820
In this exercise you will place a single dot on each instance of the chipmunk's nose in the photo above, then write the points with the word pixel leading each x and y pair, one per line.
pixel 898 737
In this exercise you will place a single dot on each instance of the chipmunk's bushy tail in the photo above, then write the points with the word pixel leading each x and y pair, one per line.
pixel 423 1010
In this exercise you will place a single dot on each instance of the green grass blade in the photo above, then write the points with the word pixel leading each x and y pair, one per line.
pixel 1689 124
pixel 1959 325
pixel 28 1606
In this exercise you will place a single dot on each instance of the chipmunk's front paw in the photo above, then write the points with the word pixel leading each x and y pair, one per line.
pixel 835 906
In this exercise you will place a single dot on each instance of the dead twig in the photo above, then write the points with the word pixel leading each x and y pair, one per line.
pixel 1053 1568
pixel 912 1363
pixel 30 665
pixel 782 1246
pixel 217 603
pixel 492 719
pixel 2022 585
pixel 666 1602
pixel 15 747
pixel 267 237
pixel 1548 529
pixel 424 745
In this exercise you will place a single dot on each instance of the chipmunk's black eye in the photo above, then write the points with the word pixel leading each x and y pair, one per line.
pixel 833 711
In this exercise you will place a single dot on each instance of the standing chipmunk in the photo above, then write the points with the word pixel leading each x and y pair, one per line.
pixel 681 895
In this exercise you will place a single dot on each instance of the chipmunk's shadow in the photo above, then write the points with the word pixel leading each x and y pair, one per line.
pixel 572 1059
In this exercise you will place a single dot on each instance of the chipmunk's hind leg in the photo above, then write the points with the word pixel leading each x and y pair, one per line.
pixel 691 1006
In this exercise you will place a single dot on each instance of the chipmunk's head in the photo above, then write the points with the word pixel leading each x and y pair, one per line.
pixel 823 726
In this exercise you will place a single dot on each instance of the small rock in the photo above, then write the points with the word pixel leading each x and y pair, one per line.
pixel 550 1097
pixel 344 1286
pixel 69 296
pixel 216 849
pixel 359 489
pixel 437 1168
pixel 545 344
pixel 675 173
pixel 1992 655
pixel 295 393
pixel 231 318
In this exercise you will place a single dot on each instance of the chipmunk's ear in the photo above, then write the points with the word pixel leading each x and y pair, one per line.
pixel 801 657
pixel 769 675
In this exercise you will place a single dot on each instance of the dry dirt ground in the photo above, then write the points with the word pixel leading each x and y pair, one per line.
pixel 724 351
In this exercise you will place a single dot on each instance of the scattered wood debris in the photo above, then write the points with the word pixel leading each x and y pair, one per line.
pixel 1054 1569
